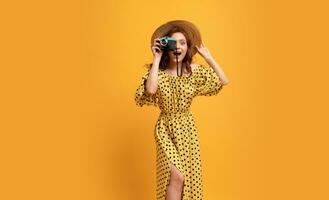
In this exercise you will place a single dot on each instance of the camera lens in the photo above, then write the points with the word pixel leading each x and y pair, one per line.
pixel 163 42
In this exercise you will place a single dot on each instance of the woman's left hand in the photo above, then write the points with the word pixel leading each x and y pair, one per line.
pixel 203 51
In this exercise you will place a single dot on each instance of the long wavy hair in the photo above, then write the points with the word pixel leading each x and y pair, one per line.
pixel 192 35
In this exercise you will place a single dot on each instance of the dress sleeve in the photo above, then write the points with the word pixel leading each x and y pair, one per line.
pixel 207 82
pixel 142 98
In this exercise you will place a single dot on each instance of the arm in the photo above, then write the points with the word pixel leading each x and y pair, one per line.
pixel 218 70
pixel 203 51
pixel 152 79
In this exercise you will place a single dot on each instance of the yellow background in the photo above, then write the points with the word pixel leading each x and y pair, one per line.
pixel 70 128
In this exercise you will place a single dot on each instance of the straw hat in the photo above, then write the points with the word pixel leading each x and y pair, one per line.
pixel 191 31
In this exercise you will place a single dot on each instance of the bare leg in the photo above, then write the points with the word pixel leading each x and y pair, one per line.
pixel 176 183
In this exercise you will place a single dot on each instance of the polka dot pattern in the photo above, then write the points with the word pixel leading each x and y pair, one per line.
pixel 175 132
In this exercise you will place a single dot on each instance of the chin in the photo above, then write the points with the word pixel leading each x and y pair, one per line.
pixel 180 58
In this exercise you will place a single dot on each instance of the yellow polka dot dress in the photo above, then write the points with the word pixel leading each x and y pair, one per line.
pixel 175 132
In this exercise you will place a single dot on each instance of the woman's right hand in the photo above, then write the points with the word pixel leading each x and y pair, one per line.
pixel 157 52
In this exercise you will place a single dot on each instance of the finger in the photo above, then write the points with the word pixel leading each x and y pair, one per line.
pixel 156 49
pixel 156 45
pixel 156 40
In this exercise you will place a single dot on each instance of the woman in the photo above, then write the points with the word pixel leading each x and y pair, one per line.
pixel 178 161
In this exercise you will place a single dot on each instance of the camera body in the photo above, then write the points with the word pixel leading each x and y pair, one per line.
pixel 168 43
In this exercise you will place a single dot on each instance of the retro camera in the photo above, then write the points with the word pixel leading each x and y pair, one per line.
pixel 168 43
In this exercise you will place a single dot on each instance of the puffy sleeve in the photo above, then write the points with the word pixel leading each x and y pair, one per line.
pixel 141 97
pixel 207 82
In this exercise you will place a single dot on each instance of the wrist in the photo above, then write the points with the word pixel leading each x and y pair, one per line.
pixel 208 59
pixel 156 59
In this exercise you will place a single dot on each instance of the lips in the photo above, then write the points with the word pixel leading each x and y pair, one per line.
pixel 177 53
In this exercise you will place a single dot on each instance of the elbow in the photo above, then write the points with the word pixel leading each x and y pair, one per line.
pixel 150 91
pixel 225 82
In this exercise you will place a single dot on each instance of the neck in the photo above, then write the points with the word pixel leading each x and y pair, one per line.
pixel 173 65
